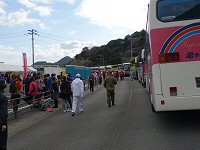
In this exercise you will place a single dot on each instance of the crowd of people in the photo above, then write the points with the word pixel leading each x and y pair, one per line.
pixel 34 87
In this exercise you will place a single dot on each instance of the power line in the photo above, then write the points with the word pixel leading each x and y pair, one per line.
pixel 10 36
pixel 13 41
pixel 51 35
pixel 51 38
pixel 63 37
pixel 5 34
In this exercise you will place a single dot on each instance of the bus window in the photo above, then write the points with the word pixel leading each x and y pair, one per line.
pixel 170 10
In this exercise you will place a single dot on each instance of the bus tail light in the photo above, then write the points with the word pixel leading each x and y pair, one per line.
pixel 162 102
pixel 169 57
pixel 173 91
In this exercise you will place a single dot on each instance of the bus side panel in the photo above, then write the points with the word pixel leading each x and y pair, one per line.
pixel 156 79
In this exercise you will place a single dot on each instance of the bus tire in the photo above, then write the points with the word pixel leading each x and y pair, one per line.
pixel 152 108
pixel 144 85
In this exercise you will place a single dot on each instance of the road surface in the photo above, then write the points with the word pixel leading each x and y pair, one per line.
pixel 129 125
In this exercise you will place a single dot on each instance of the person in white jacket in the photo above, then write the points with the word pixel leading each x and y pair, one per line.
pixel 78 91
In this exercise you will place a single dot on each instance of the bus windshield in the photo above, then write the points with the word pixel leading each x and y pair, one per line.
pixel 176 10
pixel 126 67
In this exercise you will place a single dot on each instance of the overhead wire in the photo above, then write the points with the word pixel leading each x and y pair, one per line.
pixel 56 36
pixel 4 34
pixel 50 38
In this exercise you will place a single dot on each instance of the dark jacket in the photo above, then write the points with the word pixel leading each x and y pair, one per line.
pixel 27 83
pixel 45 82
pixel 65 88
pixel 91 79
pixel 55 86
pixel 49 83
pixel 3 109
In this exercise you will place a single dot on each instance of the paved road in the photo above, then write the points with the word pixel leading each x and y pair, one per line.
pixel 130 125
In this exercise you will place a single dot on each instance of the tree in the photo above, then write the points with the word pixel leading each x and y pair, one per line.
pixel 111 53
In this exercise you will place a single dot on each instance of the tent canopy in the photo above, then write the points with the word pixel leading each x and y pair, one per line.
pixel 32 69
pixel 14 68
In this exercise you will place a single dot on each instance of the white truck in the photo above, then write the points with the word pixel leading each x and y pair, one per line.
pixel 48 69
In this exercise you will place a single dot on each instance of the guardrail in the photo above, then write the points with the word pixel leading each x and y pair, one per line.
pixel 27 102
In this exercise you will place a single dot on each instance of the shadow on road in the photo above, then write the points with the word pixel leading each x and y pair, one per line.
pixel 180 119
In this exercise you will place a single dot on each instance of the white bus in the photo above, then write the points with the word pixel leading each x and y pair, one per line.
pixel 172 54
pixel 126 67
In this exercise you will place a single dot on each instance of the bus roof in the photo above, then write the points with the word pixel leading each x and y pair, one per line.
pixel 126 63
pixel 114 66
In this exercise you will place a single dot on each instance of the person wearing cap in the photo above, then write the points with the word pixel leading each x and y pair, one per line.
pixel 78 91
pixel 109 84
pixel 3 116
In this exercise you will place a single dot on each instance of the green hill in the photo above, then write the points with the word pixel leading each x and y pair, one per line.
pixel 114 52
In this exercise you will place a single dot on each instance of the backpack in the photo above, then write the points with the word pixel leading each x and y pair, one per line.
pixel 13 88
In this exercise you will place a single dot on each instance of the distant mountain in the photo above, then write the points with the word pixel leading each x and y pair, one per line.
pixel 42 63
pixel 62 62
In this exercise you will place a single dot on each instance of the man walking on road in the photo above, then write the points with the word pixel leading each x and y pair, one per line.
pixel 109 84
pixel 91 80
pixel 3 116
pixel 78 91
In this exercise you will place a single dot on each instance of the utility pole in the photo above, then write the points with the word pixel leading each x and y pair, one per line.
pixel 131 39
pixel 122 48
pixel 102 58
pixel 32 33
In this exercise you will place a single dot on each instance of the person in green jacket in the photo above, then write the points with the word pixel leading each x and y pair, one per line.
pixel 109 84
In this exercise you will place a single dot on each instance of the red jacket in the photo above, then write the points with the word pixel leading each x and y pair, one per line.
pixel 33 90
pixel 19 86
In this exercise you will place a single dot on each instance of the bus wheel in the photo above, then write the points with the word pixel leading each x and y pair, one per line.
pixel 152 108
pixel 144 85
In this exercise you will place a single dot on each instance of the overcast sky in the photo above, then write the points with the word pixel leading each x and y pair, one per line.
pixel 64 27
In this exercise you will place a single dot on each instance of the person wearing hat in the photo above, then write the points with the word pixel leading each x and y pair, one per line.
pixel 3 116
pixel 78 91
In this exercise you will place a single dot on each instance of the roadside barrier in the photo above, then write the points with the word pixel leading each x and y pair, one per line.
pixel 27 102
